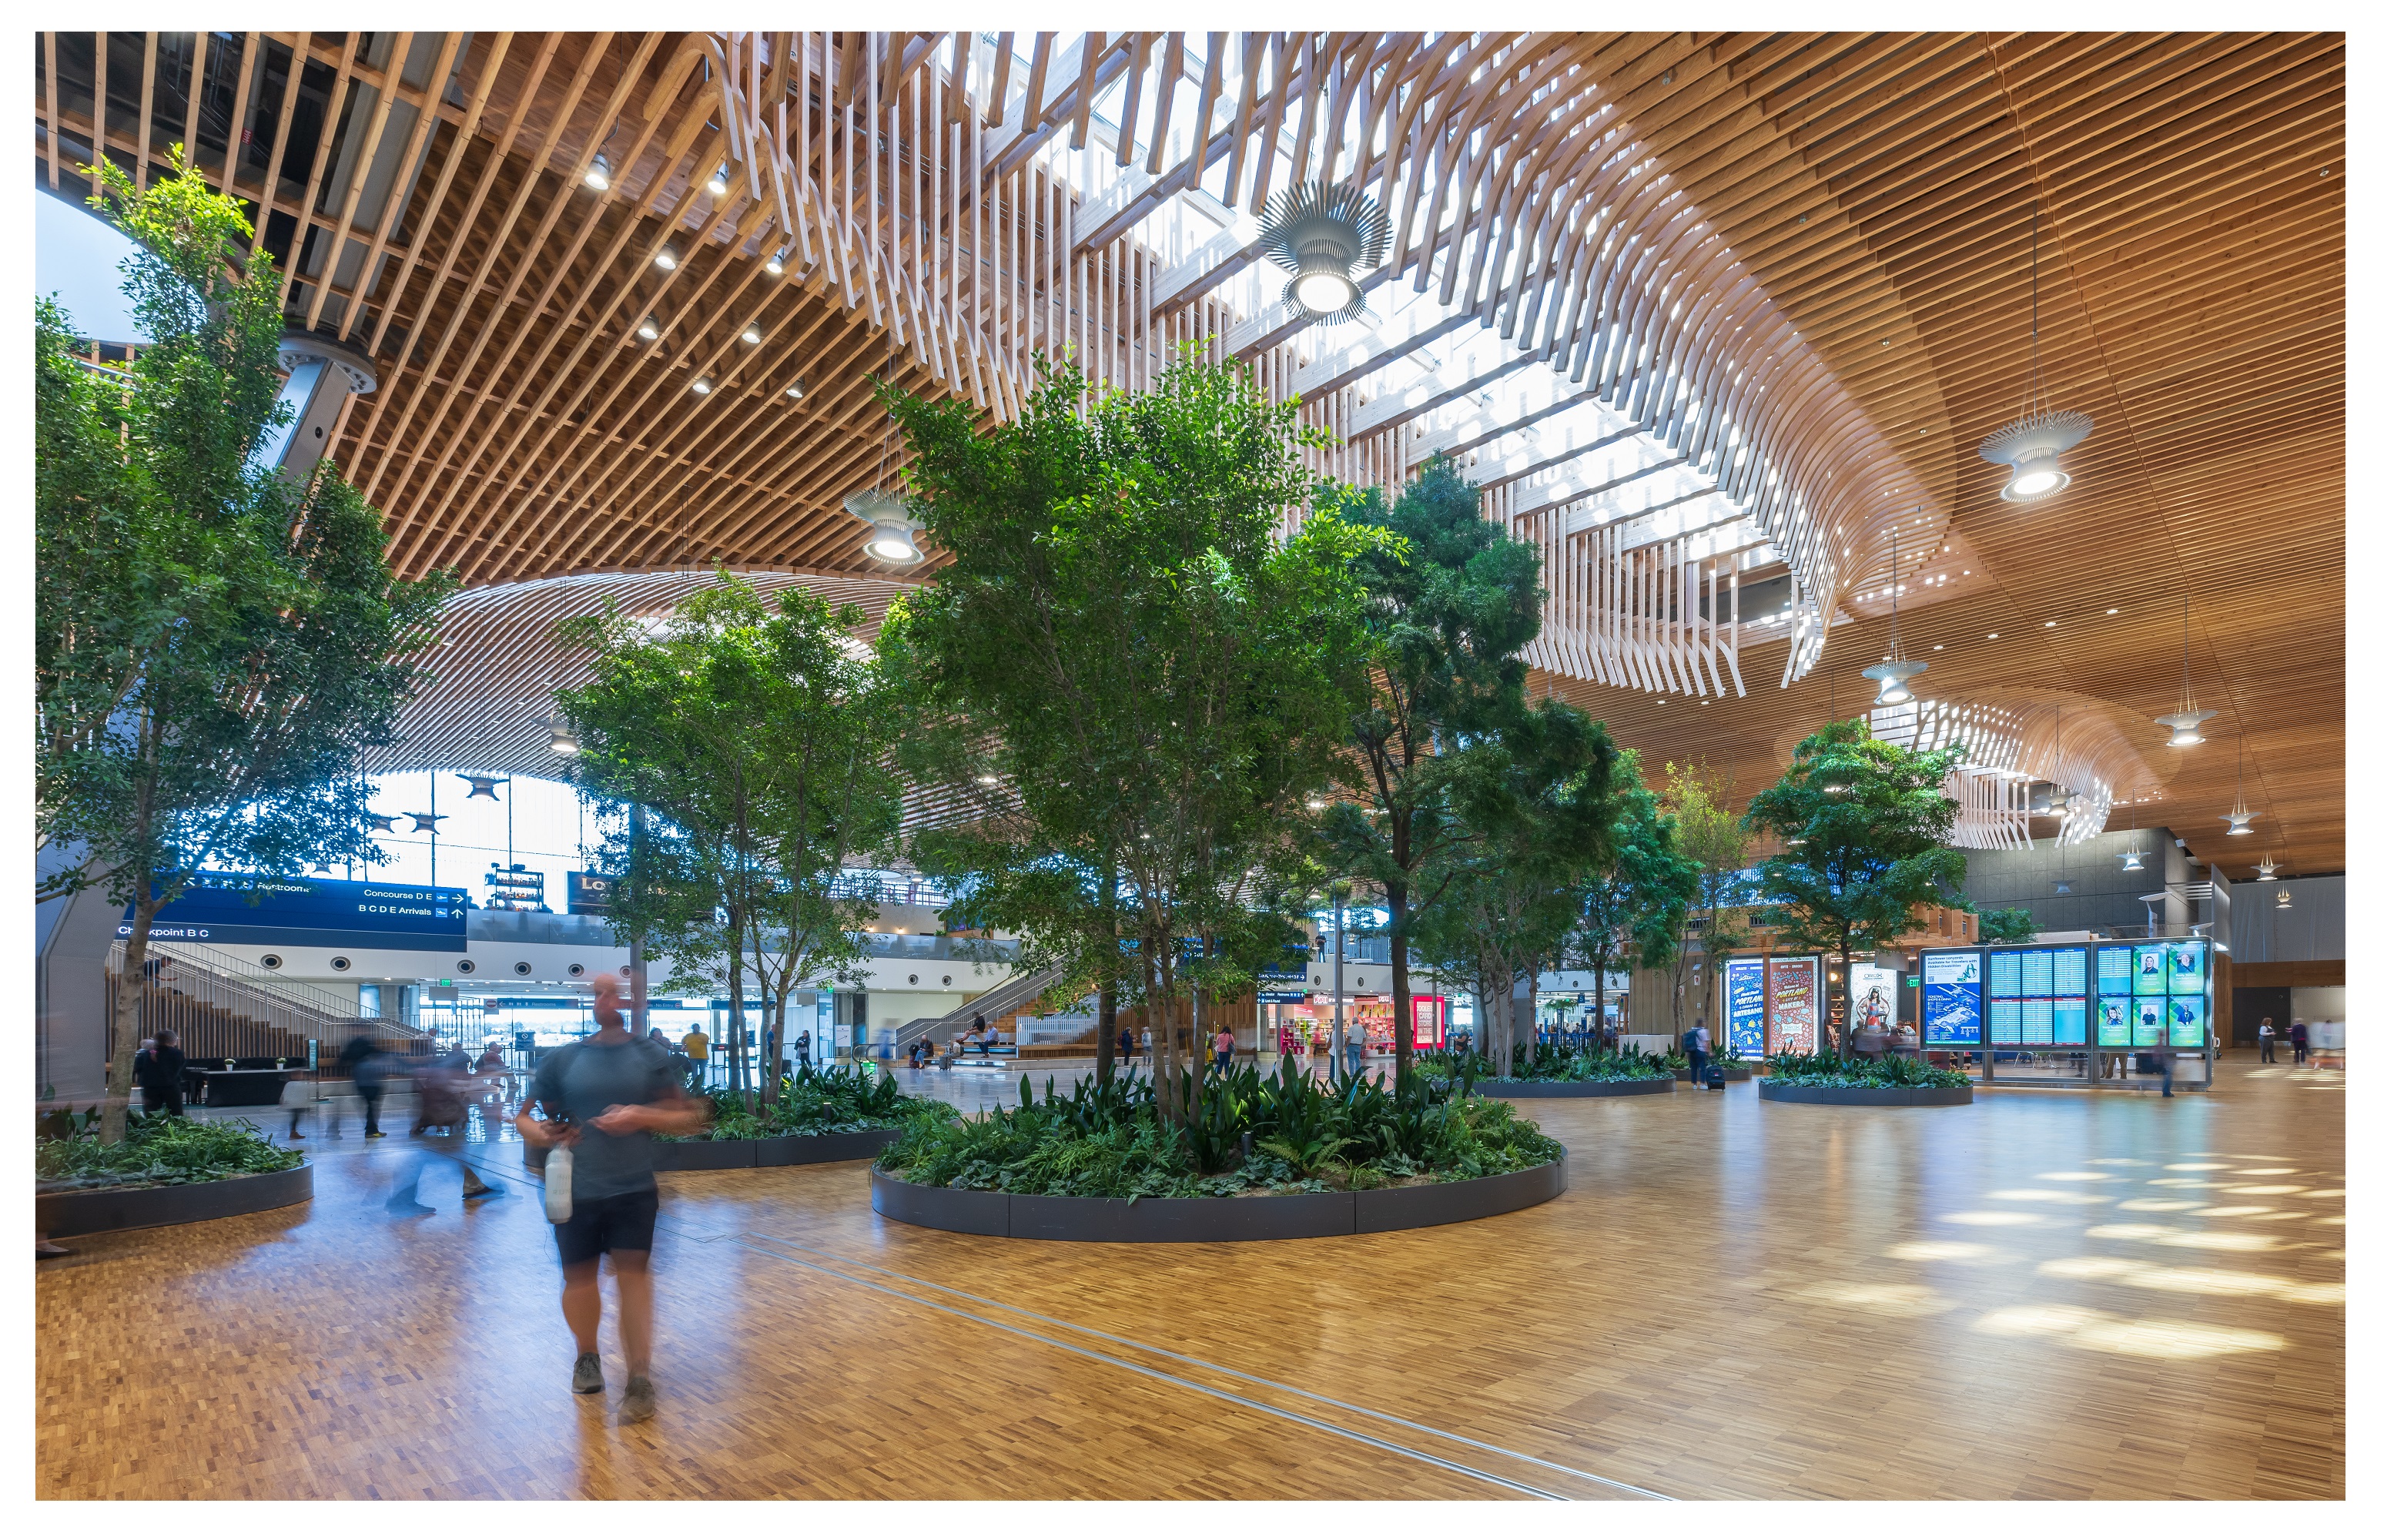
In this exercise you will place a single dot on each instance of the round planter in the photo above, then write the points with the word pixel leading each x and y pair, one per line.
pixel 1293 1216
pixel 96 1209
pixel 1870 1095
pixel 786 1150
pixel 1732 1074
pixel 1517 1090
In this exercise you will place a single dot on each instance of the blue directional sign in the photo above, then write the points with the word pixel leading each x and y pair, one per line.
pixel 243 908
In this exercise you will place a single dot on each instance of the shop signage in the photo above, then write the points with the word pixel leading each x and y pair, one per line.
pixel 1743 998
pixel 245 910
pixel 1796 1004
pixel 587 892
pixel 1950 999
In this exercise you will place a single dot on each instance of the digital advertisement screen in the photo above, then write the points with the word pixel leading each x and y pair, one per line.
pixel 2152 969
pixel 2189 967
pixel 1796 1004
pixel 2186 1021
pixel 1873 991
pixel 2069 1021
pixel 1743 1000
pixel 2112 1017
pixel 1950 1004
pixel 310 912
pixel 2151 1010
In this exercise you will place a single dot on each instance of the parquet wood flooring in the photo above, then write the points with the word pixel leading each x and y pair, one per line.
pixel 2042 1295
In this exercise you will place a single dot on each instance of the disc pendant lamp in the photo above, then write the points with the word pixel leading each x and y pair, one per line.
pixel 885 511
pixel 2240 820
pixel 2184 724
pixel 1325 234
pixel 2034 445
pixel 1897 672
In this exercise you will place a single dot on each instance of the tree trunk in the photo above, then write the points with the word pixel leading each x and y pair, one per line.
pixel 1846 1000
pixel 1402 1003
pixel 1598 984
pixel 1105 1050
pixel 131 999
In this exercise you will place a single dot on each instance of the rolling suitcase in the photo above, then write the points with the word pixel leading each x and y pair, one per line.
pixel 1715 1079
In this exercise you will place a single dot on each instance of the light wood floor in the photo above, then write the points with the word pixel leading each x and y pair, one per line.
pixel 2044 1295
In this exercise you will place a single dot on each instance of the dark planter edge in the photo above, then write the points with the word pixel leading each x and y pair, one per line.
pixel 1868 1096
pixel 1526 1090
pixel 782 1149
pixel 1293 1216
pixel 1730 1073
pixel 95 1211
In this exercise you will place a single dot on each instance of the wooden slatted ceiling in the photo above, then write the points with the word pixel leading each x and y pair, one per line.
pixel 1876 188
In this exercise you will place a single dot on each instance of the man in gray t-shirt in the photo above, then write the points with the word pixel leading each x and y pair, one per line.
pixel 604 1097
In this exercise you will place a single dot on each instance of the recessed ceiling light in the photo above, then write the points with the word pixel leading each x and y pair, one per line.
pixel 1939 648
pixel 1966 572
pixel 2050 624
pixel 2111 611
pixel 1994 635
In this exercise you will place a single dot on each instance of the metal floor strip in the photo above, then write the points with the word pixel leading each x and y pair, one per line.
pixel 1230 1372
pixel 749 1242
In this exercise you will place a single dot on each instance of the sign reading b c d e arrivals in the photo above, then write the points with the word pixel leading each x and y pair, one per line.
pixel 245 910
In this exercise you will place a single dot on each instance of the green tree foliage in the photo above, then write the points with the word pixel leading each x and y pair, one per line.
pixel 1451 601
pixel 1707 832
pixel 1539 798
pixel 1634 904
pixel 764 740
pixel 215 644
pixel 1865 825
pixel 1154 676
pixel 2007 925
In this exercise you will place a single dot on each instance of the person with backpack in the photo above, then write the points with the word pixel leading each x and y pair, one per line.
pixel 157 1070
pixel 603 1099
pixel 1700 1044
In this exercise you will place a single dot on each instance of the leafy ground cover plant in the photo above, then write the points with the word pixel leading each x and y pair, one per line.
pixel 1256 1134
pixel 1827 1068
pixel 1574 1065
pixel 155 1151
pixel 841 1099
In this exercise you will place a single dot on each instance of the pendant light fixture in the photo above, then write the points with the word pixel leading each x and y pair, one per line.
pixel 718 185
pixel 560 738
pixel 600 172
pixel 2267 867
pixel 887 512
pixel 2034 444
pixel 2184 724
pixel 1325 234
pixel 2240 820
pixel 1896 674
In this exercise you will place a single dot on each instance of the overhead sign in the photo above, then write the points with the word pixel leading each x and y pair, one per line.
pixel 587 892
pixel 243 908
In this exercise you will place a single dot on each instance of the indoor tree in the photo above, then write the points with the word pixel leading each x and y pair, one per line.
pixel 1537 797
pixel 2007 925
pixel 1708 833
pixel 1863 823
pixel 1150 673
pixel 1450 601
pixel 215 644
pixel 1633 903
pixel 760 734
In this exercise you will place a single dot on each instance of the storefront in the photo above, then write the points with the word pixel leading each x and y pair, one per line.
pixel 1308 1018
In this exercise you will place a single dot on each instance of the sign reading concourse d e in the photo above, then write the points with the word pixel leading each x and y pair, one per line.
pixel 241 909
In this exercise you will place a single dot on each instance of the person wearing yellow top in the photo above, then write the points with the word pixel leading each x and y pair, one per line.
pixel 696 1046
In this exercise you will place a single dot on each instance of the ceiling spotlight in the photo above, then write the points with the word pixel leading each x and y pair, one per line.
pixel 776 263
pixel 1994 636
pixel 667 258
pixel 988 780
pixel 701 387
pixel 888 517
pixel 718 185
pixel 2111 611
pixel 1325 234
pixel 649 329
pixel 751 336
pixel 600 172
pixel 564 741
pixel 795 390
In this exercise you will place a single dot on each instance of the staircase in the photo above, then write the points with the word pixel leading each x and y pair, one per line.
pixel 219 1008
pixel 1000 1006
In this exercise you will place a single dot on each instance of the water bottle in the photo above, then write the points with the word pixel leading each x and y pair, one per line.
pixel 558 1185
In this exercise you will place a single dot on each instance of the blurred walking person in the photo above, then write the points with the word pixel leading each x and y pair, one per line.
pixel 2301 1040
pixel 1700 1044
pixel 604 1098
pixel 360 1060
pixel 158 1072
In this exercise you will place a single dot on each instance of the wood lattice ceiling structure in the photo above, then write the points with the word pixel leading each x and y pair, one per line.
pixel 1705 314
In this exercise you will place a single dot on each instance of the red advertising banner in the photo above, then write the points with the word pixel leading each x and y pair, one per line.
pixel 1796 1004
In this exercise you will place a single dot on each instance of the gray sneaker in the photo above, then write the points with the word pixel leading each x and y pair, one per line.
pixel 588 1375
pixel 638 1400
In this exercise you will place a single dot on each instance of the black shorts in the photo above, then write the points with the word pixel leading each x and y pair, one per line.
pixel 622 1222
